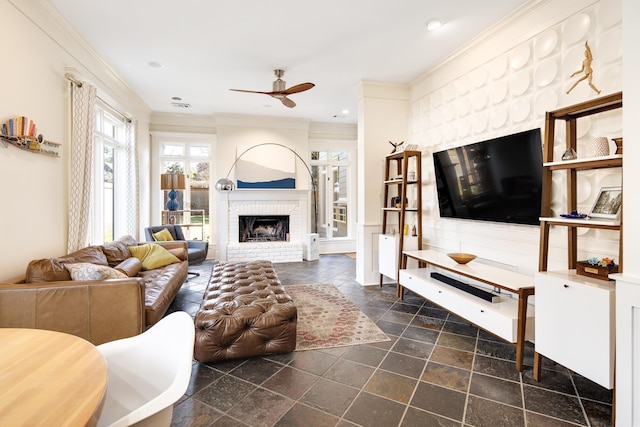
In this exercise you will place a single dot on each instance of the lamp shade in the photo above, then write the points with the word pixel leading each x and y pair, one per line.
pixel 172 181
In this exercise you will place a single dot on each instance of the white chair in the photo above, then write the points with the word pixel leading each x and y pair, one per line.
pixel 148 373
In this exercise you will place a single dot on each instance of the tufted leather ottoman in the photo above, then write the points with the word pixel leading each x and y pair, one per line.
pixel 245 312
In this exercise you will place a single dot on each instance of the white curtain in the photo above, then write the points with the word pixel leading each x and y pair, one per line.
pixel 83 100
pixel 132 217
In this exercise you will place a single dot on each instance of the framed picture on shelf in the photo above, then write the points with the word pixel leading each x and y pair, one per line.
pixel 607 204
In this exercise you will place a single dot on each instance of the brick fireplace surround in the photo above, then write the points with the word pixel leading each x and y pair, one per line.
pixel 294 203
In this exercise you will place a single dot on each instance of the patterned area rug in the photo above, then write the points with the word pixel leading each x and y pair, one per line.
pixel 326 318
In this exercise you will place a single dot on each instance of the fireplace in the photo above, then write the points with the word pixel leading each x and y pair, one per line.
pixel 263 228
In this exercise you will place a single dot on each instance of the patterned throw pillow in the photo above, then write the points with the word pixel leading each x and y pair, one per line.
pixel 88 271
pixel 153 256
pixel 163 235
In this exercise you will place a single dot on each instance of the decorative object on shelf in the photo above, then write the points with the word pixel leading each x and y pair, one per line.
pixel 586 69
pixel 412 175
pixel 607 204
pixel 172 182
pixel 461 258
pixel 397 148
pixel 569 154
pixel 414 231
pixel 21 132
pixel 597 146
pixel 618 142
pixel 596 268
pixel 575 215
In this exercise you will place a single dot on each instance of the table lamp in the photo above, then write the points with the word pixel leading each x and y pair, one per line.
pixel 172 182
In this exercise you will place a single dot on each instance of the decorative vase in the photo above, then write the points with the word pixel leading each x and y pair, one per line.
pixel 597 147
pixel 569 154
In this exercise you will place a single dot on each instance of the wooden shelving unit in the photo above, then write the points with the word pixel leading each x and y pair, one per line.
pixel 397 183
pixel 575 314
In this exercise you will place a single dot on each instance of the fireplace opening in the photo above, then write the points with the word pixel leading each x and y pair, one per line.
pixel 263 228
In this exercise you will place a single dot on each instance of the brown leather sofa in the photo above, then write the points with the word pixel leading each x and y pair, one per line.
pixel 245 312
pixel 96 310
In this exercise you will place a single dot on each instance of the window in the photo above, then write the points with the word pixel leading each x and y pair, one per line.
pixel 194 160
pixel 109 192
pixel 331 169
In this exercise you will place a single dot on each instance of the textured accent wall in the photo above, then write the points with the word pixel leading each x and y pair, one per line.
pixel 475 97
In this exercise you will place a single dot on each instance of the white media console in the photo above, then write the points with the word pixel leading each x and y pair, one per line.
pixel 512 319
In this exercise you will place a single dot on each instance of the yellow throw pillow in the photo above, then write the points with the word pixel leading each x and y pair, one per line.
pixel 153 256
pixel 163 235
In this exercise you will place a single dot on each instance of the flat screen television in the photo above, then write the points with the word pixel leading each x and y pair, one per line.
pixel 496 180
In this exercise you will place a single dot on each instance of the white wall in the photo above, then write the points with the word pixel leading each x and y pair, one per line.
pixel 35 187
pixel 504 82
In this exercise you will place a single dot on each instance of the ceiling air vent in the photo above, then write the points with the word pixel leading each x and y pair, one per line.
pixel 181 105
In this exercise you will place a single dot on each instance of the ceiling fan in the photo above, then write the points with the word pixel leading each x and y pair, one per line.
pixel 279 91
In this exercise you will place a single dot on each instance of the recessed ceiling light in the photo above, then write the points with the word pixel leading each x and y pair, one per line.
pixel 434 24
pixel 155 64
pixel 345 111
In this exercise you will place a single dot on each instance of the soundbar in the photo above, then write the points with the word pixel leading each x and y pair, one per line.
pixel 480 293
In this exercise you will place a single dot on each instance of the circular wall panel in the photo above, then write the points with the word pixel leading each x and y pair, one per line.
pixel 546 72
pixel 519 109
pixel 546 100
pixel 498 67
pixel 520 56
pixel 499 91
pixel 575 28
pixel 520 83
pixel 610 47
pixel 546 43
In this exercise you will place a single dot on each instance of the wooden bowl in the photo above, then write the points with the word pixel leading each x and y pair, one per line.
pixel 461 258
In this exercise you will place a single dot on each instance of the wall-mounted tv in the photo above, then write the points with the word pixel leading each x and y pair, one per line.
pixel 494 180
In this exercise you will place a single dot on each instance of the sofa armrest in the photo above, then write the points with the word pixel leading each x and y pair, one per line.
pixel 98 311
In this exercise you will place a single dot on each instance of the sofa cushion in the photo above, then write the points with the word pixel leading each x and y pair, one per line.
pixel 118 250
pixel 153 256
pixel 88 271
pixel 130 266
pixel 52 269
pixel 163 235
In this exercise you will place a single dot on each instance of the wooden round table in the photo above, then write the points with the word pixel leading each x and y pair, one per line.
pixel 49 379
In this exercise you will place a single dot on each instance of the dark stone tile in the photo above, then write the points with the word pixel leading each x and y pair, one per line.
pixel 303 415
pixel 403 307
pixel 227 365
pixel 427 322
pixel 550 403
pixel 403 364
pixel 496 349
pixel 429 310
pixel 452 357
pixel 496 367
pixel 485 413
pixel 415 417
pixel 447 376
pixel 372 312
pixel 457 341
pixel 539 420
pixel 256 370
pixel 330 396
pixel 261 408
pixel 379 303
pixel 391 328
pixel 365 354
pixel 598 413
pixel 466 328
pixel 439 400
pixel 590 390
pixel 496 389
pixel 421 334
pixel 312 361
pixel 392 386
pixel 385 345
pixel 225 392
pixel 290 382
pixel 551 380
pixel 201 376
pixel 397 317
pixel 227 421
pixel 349 373
pixel 374 411
pixel 413 348
pixel 193 413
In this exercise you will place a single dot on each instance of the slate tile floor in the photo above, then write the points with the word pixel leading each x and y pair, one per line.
pixel 437 370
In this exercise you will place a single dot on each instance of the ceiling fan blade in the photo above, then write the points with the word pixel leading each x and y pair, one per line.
pixel 251 91
pixel 298 88
pixel 287 102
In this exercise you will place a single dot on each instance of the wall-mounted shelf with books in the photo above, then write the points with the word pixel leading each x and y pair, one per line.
pixel 33 144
